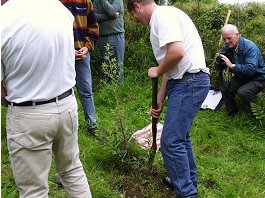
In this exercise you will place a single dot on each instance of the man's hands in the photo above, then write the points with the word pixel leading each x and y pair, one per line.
pixel 152 72
pixel 227 61
pixel 155 113
pixel 81 54
pixel 116 15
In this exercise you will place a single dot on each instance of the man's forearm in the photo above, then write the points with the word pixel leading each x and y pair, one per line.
pixel 175 52
pixel 103 17
pixel 162 91
pixel 3 95
pixel 111 8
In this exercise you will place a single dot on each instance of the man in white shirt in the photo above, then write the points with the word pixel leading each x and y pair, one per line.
pixel 37 76
pixel 179 52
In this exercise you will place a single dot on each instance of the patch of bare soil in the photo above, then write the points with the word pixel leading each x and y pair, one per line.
pixel 143 184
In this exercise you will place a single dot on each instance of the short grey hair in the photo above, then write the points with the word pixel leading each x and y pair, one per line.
pixel 230 28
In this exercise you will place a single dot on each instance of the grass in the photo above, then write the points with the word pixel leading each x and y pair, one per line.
pixel 230 152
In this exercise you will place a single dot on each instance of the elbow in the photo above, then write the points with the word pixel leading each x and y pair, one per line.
pixel 181 53
pixel 179 56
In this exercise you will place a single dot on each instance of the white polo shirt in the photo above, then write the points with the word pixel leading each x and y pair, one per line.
pixel 37 49
pixel 170 24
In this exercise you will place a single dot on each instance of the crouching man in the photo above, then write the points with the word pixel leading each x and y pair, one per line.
pixel 245 61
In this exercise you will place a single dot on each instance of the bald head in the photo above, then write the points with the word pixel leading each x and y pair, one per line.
pixel 230 28
pixel 230 36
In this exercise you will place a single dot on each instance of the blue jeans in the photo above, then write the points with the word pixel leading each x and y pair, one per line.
pixel 84 88
pixel 185 97
pixel 117 43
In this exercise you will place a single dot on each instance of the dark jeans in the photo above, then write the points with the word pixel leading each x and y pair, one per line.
pixel 247 90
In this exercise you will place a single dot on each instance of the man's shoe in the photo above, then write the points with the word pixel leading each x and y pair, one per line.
pixel 232 113
pixel 92 130
pixel 57 179
pixel 167 182
pixel 250 115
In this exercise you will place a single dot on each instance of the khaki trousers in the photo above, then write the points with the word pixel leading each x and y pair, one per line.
pixel 33 133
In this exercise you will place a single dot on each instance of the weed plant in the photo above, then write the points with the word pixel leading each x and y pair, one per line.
pixel 120 145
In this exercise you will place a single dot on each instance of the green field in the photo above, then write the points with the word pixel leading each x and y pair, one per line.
pixel 230 152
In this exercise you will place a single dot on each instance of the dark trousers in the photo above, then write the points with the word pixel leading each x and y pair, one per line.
pixel 247 91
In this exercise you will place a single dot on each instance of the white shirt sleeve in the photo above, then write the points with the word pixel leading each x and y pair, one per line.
pixel 168 30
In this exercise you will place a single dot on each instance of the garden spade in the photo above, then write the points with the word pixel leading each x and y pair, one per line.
pixel 154 123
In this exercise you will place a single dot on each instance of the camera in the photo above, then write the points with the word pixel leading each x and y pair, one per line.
pixel 219 59
pixel 219 62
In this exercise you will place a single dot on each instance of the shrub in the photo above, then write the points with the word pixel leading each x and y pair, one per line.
pixel 209 17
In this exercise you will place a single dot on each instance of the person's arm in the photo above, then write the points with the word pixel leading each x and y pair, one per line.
pixel 3 95
pixel 251 56
pixel 219 64
pixel 92 28
pixel 103 17
pixel 3 87
pixel 174 54
pixel 160 98
pixel 100 16
pixel 251 63
pixel 112 8
pixel 3 2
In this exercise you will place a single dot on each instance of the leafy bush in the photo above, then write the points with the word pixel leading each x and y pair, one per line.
pixel 138 54
pixel 209 17
pixel 141 55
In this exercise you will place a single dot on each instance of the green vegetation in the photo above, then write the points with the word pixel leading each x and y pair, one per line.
pixel 230 152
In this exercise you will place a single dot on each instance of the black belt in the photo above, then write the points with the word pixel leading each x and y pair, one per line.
pixel 32 103
pixel 199 72
pixel 188 75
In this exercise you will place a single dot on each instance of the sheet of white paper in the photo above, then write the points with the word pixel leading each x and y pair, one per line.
pixel 212 100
